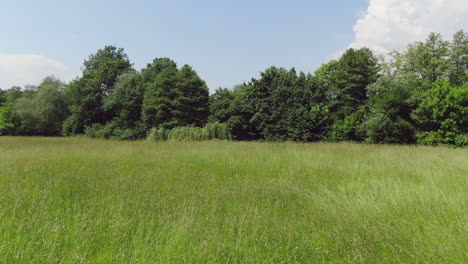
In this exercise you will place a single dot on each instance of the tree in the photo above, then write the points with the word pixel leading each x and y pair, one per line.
pixel 220 101
pixel 175 97
pixel 88 93
pixel 458 59
pixel 8 120
pixel 355 70
pixel 160 107
pixel 42 112
pixel 126 99
pixel 428 59
pixel 283 105
pixel 194 98
pixel 13 94
pixel 389 120
pixel 152 70
pixel 240 113
pixel 52 106
pixel 442 116
pixel 3 97
pixel 158 100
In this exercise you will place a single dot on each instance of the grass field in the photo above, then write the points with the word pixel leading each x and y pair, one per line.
pixel 74 200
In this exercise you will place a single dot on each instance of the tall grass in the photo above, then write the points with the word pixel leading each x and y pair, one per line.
pixel 209 132
pixel 77 200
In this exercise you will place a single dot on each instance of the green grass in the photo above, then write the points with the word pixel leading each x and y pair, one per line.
pixel 76 200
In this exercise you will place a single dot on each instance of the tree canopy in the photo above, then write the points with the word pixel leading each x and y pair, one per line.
pixel 416 95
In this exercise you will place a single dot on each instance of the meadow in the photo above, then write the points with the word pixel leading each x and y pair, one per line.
pixel 77 200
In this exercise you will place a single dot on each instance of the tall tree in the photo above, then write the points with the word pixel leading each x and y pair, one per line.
pixel 175 97
pixel 194 98
pixel 87 94
pixel 220 101
pixel 355 70
pixel 429 59
pixel 390 107
pixel 160 105
pixel 3 97
pixel 458 59
pixel 42 112
pixel 126 101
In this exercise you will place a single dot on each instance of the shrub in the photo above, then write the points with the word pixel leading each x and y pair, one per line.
pixel 381 129
pixel 462 140
pixel 98 131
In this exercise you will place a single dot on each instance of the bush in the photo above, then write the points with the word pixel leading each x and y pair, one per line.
pixel 98 131
pixel 137 132
pixel 462 140
pixel 349 128
pixel 209 132
pixel 381 129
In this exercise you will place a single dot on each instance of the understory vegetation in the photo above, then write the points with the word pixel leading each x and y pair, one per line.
pixel 419 95
pixel 78 200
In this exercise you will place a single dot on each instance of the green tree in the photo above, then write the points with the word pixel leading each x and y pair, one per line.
pixel 88 93
pixel 194 98
pixel 175 97
pixel 220 101
pixel 3 97
pixel 160 105
pixel 126 101
pixel 285 105
pixel 390 104
pixel 42 112
pixel 458 59
pixel 240 113
pixel 13 94
pixel 355 70
pixel 8 120
pixel 152 70
pixel 429 59
pixel 442 116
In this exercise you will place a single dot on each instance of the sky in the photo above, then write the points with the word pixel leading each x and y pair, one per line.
pixel 226 42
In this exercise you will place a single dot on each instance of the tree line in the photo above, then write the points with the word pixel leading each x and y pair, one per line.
pixel 419 95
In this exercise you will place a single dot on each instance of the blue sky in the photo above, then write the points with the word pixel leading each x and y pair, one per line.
pixel 227 42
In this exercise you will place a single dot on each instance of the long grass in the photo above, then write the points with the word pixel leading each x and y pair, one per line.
pixel 212 131
pixel 76 200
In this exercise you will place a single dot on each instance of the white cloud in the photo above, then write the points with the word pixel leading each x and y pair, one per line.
pixel 393 24
pixel 23 69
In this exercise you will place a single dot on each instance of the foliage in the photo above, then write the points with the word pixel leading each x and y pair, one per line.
pixel 443 114
pixel 417 95
pixel 8 120
pixel 356 69
pixel 458 59
pixel 380 128
pixel 428 59
pixel 175 98
pixel 3 97
pixel 220 101
pixel 42 111
pixel 87 94
pixel 389 119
